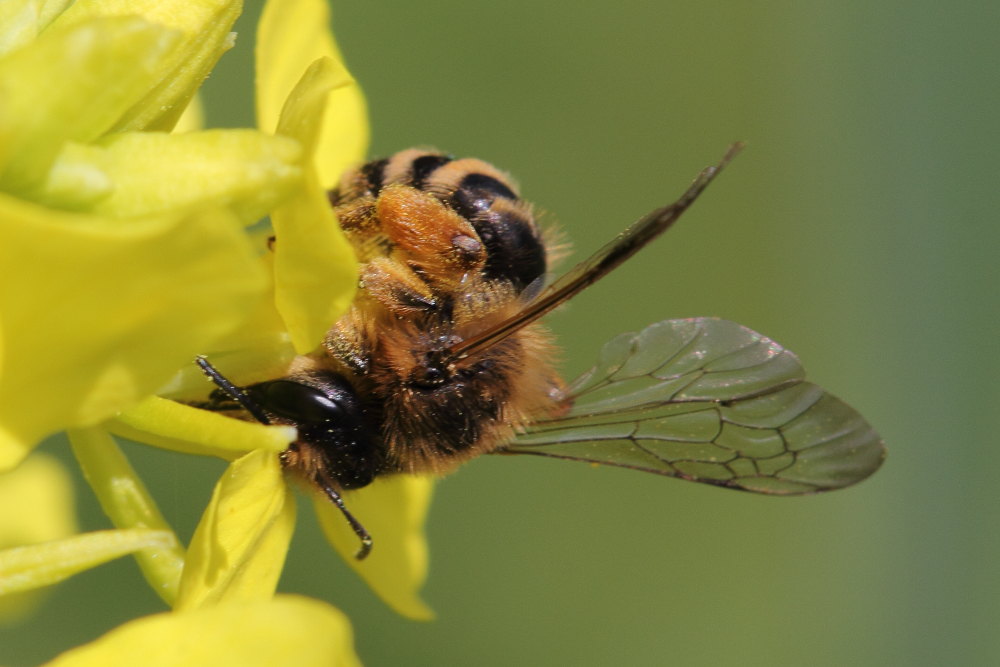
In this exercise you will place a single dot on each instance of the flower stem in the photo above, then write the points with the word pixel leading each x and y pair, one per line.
pixel 128 504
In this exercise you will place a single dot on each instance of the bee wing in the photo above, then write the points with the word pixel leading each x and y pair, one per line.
pixel 709 401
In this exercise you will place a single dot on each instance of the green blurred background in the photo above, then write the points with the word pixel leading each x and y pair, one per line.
pixel 859 228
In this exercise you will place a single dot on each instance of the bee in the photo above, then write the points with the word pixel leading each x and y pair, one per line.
pixel 441 357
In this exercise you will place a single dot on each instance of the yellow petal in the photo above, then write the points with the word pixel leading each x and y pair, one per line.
pixel 205 27
pixel 152 172
pixel 98 314
pixel 258 350
pixel 37 565
pixel 189 430
pixel 102 65
pixel 291 35
pixel 36 505
pixel 288 630
pixel 315 272
pixel 36 502
pixel 239 547
pixel 22 20
pixel 127 503
pixel 393 510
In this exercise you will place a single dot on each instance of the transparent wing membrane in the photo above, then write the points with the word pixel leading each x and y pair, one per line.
pixel 709 401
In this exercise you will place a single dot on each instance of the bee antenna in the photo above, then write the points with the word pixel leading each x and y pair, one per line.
pixel 251 406
pixel 234 392
pixel 359 530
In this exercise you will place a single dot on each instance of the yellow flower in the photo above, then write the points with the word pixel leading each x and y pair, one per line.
pixel 122 246
pixel 287 630
pixel 145 263
pixel 304 92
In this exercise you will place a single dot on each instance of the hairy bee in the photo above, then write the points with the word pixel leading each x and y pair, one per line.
pixel 441 357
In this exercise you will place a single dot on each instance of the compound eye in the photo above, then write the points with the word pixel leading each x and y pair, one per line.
pixel 297 401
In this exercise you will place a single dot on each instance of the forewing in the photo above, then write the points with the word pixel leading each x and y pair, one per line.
pixel 709 401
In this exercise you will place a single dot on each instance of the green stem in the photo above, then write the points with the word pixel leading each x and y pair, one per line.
pixel 128 504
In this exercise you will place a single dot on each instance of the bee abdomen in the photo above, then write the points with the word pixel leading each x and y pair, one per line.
pixel 514 249
pixel 474 189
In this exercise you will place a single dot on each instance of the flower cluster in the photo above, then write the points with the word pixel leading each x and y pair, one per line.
pixel 126 252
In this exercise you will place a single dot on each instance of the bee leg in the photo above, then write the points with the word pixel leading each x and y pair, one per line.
pixel 397 287
pixel 436 240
